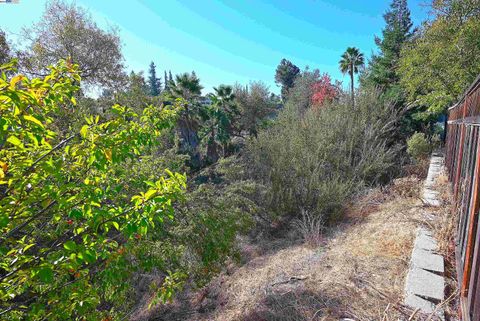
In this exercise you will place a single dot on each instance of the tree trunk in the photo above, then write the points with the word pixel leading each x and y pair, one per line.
pixel 352 86
pixel 212 149
pixel 187 132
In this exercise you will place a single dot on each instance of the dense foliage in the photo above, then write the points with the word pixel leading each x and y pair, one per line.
pixel 382 68
pixel 256 105
pixel 315 160
pixel 439 64
pixel 68 31
pixel 68 226
pixel 93 190
pixel 285 76
pixel 418 147
pixel 324 91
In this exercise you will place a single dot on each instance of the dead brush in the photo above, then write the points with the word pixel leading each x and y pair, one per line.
pixel 365 203
pixel 418 169
pixel 310 227
pixel 445 223
pixel 409 186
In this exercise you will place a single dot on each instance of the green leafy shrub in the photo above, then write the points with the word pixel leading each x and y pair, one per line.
pixel 66 234
pixel 313 161
pixel 418 147
pixel 79 210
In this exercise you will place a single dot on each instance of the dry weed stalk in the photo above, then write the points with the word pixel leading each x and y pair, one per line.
pixel 310 228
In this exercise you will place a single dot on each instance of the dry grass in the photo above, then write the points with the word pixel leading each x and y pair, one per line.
pixel 310 227
pixel 355 270
pixel 444 224
pixel 358 272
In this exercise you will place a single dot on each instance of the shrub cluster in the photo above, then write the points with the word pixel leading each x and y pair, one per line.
pixel 418 147
pixel 313 161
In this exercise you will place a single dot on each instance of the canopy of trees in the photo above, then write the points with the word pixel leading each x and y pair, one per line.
pixel 67 31
pixel 441 61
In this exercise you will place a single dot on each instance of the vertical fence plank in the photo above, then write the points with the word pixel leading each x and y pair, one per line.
pixel 462 160
pixel 472 212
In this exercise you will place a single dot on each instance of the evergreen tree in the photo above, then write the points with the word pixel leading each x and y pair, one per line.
pixel 165 78
pixel 170 78
pixel 4 48
pixel 154 83
pixel 285 76
pixel 398 29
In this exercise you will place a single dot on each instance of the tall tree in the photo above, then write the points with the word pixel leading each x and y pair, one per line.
pixel 382 69
pixel 218 124
pixel 4 48
pixel 67 31
pixel 285 76
pixel 154 83
pixel 187 86
pixel 165 79
pixel 170 78
pixel 255 104
pixel 352 60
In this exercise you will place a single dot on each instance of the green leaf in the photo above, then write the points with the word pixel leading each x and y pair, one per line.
pixel 150 193
pixel 27 247
pixel 14 141
pixel 4 219
pixel 93 203
pixel 75 213
pixel 83 131
pixel 45 274
pixel 115 224
pixel 33 120
pixel 70 245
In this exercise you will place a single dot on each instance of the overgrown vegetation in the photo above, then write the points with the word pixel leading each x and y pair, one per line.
pixel 150 188
pixel 315 161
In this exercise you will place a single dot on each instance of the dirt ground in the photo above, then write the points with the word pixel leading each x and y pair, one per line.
pixel 357 273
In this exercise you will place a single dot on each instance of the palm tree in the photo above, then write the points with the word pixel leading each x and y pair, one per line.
pixel 224 93
pixel 218 122
pixel 187 86
pixel 352 60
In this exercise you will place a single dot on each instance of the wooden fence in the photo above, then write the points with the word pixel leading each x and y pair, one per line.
pixel 462 160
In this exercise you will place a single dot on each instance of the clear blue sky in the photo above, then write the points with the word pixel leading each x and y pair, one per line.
pixel 231 40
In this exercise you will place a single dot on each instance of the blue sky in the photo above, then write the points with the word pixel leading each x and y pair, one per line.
pixel 231 40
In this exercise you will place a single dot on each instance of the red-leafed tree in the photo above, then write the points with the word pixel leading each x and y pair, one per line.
pixel 323 91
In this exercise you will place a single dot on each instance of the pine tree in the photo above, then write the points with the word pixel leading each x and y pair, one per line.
pixel 165 80
pixel 285 75
pixel 154 83
pixel 398 29
pixel 170 78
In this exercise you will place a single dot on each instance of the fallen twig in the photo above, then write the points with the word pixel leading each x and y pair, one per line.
pixel 413 314
pixel 290 280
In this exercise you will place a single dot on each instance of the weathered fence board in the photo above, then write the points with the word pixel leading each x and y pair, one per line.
pixel 463 164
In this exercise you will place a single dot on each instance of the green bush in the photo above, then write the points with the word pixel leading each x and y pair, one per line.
pixel 418 147
pixel 314 161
